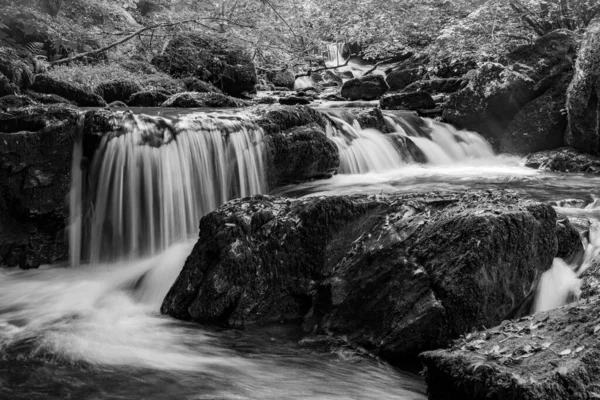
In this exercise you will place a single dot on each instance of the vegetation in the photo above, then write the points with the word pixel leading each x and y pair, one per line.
pixel 285 33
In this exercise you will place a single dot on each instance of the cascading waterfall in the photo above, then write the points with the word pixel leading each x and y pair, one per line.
pixel 154 180
pixel 368 150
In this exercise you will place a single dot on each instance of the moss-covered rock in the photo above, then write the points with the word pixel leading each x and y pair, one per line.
pixel 583 100
pixel 208 59
pixel 203 100
pixel 148 98
pixel 407 101
pixel 400 79
pixel 283 78
pixel 396 274
pixel 447 85
pixel 565 159
pixel 45 83
pixel 17 69
pixel 368 87
pixel 117 90
pixel 196 85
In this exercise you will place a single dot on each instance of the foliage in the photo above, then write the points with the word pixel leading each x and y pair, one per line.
pixel 89 76
pixel 544 16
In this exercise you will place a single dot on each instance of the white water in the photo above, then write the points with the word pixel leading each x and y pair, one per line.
pixel 154 182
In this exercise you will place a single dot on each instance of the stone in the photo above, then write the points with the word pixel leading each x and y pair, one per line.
pixel 399 80
pixel 148 98
pixel 209 59
pixel 202 100
pixel 196 85
pixel 551 355
pixel 564 159
pixel 447 85
pixel 370 87
pixel 117 90
pixel 294 100
pixel 407 101
pixel 583 104
pixel 283 78
pixel 394 274
pixel 45 83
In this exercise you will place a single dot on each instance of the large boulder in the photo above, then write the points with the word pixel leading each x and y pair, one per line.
pixel 497 93
pixel 35 164
pixel 397 274
pixel 283 78
pixel 407 101
pixel 297 147
pixel 209 59
pixel 400 79
pixel 565 159
pixel 540 125
pixel 550 356
pixel 368 87
pixel 45 83
pixel 148 98
pixel 196 85
pixel 203 100
pixel 447 85
pixel 117 90
pixel 583 98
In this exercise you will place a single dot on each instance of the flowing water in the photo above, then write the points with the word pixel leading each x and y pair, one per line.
pixel 93 331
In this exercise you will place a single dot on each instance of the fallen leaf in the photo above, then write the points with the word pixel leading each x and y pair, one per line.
pixel 580 348
pixel 565 352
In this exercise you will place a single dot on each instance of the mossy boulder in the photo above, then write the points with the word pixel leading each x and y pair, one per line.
pixel 117 90
pixel 400 79
pixel 370 87
pixel 283 78
pixel 565 159
pixel 148 98
pixel 407 101
pixel 196 85
pixel 583 98
pixel 203 100
pixel 45 83
pixel 396 274
pixel 209 59
pixel 16 68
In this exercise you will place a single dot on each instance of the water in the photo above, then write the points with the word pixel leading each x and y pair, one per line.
pixel 94 331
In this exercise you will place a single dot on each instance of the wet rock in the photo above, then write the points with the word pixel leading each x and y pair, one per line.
pixel 407 101
pixel 117 90
pixel 583 104
pixel 202 100
pixel 541 124
pixel 149 98
pixel 284 78
pixel 47 98
pixel 497 93
pixel 196 85
pixel 399 80
pixel 569 239
pixel 564 159
pixel 448 85
pixel 395 274
pixel 208 59
pixel 294 100
pixel 35 163
pixel 47 84
pixel 551 355
pixel 15 101
pixel 368 87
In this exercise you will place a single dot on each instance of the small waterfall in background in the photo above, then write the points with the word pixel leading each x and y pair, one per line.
pixel 152 181
pixel 368 150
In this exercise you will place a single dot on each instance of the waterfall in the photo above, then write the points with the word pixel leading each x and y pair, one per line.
pixel 412 140
pixel 153 180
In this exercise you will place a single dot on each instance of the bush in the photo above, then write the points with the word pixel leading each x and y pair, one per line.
pixel 88 77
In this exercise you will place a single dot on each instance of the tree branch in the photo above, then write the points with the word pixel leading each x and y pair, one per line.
pixel 311 71
pixel 118 42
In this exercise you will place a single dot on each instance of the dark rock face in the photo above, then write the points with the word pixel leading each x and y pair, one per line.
pixel 117 90
pixel 368 87
pixel 447 85
pixel 583 104
pixel 149 98
pixel 15 101
pixel 397 274
pixel 407 101
pixel 196 85
pixel 496 94
pixel 303 153
pixel 294 100
pixel 201 100
pixel 210 60
pixel 297 147
pixel 398 80
pixel 46 84
pixel 284 79
pixel 35 163
pixel 7 88
pixel 16 69
pixel 540 125
pixel 564 159
pixel 550 356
